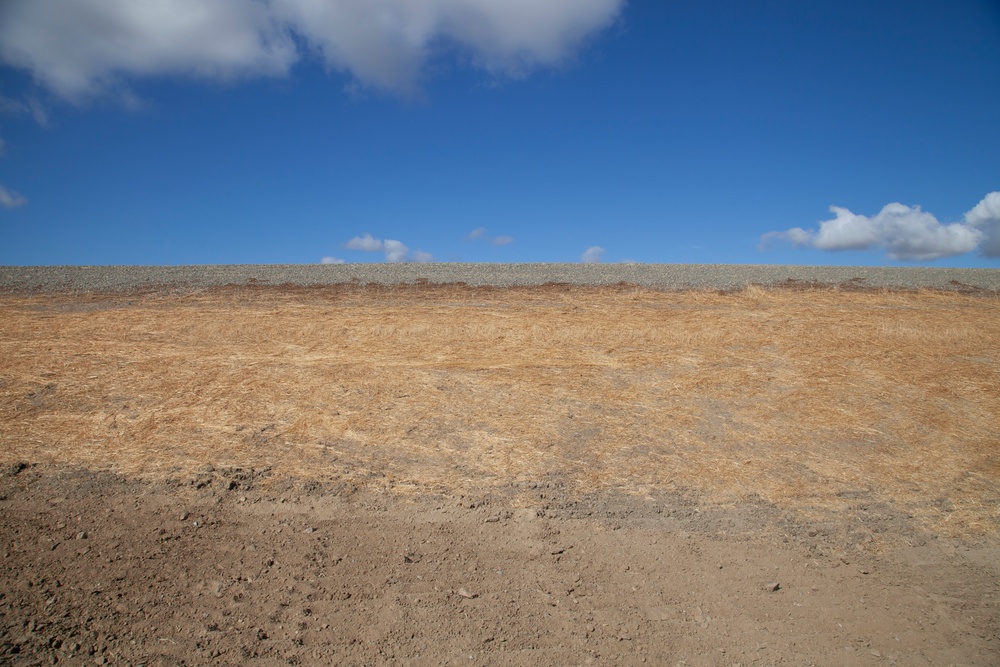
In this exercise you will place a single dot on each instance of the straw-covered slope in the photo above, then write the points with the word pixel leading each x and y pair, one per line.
pixel 802 397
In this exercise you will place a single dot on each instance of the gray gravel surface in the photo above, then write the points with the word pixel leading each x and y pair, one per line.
pixel 668 276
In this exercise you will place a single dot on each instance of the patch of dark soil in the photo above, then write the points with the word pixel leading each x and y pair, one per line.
pixel 97 569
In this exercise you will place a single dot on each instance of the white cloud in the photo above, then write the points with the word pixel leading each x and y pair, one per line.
pixel 904 232
pixel 592 255
pixel 366 243
pixel 480 233
pixel 985 217
pixel 385 43
pixel 847 231
pixel 796 236
pixel 10 199
pixel 395 251
pixel 84 47
pixel 331 260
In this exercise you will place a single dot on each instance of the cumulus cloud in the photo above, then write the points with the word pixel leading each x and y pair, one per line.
pixel 395 251
pixel 592 255
pixel 331 260
pixel 87 46
pixel 985 217
pixel 82 47
pixel 903 232
pixel 385 43
pixel 10 199
pixel 366 243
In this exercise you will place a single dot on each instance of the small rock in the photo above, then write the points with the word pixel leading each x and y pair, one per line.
pixel 466 594
pixel 310 529
pixel 100 660
pixel 82 535
pixel 184 516
pixel 772 586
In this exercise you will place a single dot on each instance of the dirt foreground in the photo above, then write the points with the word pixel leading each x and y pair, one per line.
pixel 453 475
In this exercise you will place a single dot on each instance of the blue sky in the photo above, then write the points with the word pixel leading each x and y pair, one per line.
pixel 288 131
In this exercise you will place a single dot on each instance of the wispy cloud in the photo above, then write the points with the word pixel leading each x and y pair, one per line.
pixel 30 105
pixel 10 199
pixel 395 251
pixel 592 255
pixel 480 233
pixel 331 260
pixel 903 232
pixel 89 47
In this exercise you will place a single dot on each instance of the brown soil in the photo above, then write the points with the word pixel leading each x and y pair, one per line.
pixel 453 475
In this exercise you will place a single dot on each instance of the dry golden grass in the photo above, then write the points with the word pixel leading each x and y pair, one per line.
pixel 804 397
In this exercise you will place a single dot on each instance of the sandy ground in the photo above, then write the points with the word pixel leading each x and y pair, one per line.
pixel 454 476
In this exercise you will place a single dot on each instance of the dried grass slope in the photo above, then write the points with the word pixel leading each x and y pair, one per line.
pixel 807 398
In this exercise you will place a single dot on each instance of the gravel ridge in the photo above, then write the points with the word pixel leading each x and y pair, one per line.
pixel 663 276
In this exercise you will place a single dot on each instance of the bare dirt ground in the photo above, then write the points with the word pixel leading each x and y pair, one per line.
pixel 454 475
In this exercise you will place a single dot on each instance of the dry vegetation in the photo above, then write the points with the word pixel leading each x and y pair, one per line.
pixel 809 398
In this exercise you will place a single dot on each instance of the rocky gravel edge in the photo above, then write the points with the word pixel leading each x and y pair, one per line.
pixel 41 279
